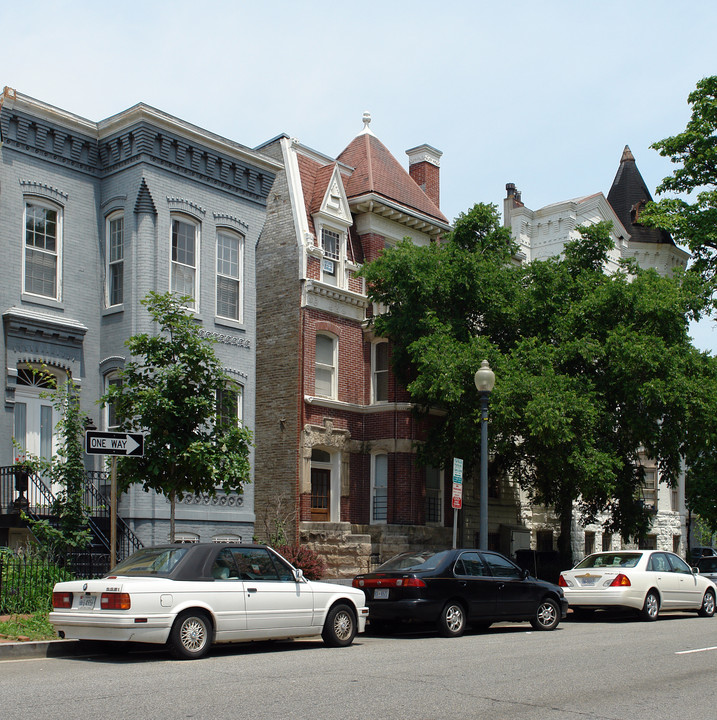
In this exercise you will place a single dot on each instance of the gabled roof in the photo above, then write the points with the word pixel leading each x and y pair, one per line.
pixel 627 196
pixel 377 171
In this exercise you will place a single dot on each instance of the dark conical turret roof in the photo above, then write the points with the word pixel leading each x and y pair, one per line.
pixel 627 196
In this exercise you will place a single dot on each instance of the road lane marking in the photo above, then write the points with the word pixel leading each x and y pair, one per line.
pixel 689 652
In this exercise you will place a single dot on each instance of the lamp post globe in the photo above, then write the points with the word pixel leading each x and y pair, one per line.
pixel 484 381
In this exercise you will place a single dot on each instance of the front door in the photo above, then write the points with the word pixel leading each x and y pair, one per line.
pixel 320 494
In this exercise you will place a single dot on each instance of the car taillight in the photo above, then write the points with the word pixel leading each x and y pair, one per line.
pixel 115 601
pixel 62 599
pixel 414 582
pixel 621 581
pixel 562 582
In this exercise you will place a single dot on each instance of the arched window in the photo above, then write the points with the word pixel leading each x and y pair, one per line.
pixel 43 249
pixel 184 273
pixel 115 259
pixel 230 252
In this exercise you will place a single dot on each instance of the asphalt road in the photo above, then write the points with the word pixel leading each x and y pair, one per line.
pixel 609 668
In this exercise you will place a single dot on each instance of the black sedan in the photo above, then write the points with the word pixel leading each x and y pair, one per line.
pixel 456 588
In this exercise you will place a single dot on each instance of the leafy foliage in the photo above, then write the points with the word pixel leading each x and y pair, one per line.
pixel 169 390
pixel 34 626
pixel 694 152
pixel 590 368
pixel 304 558
pixel 27 581
pixel 66 470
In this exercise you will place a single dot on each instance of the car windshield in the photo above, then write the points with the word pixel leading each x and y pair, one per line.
pixel 422 560
pixel 708 564
pixel 608 560
pixel 150 561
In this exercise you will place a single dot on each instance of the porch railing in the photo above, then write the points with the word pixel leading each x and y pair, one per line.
pixel 35 498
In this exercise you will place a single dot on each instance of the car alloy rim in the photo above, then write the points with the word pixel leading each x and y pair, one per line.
pixel 454 618
pixel 651 603
pixel 546 614
pixel 709 603
pixel 342 625
pixel 193 634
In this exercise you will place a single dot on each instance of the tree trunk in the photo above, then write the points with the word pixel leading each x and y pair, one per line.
pixel 565 544
pixel 172 510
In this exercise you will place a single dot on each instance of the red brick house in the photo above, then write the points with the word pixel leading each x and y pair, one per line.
pixel 335 436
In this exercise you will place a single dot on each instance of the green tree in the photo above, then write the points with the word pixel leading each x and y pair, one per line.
pixel 172 390
pixel 588 365
pixel 65 470
pixel 694 152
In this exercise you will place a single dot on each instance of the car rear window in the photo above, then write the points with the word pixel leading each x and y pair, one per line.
pixel 707 564
pixel 416 561
pixel 616 559
pixel 150 561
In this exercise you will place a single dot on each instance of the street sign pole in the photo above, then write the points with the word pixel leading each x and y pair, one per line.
pixel 113 511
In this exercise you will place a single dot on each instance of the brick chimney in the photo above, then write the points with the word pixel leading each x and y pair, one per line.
pixel 424 167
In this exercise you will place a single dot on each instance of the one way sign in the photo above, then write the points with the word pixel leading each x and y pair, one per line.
pixel 114 443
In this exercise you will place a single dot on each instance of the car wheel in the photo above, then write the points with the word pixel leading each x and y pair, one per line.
pixel 547 616
pixel 708 605
pixel 452 620
pixel 340 627
pixel 651 608
pixel 190 637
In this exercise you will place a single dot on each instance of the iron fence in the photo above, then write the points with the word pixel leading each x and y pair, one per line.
pixel 26 582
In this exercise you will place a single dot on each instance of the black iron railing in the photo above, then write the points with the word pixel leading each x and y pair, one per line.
pixel 32 494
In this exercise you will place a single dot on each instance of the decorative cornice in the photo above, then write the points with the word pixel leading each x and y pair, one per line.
pixel 187 206
pixel 30 187
pixel 225 339
pixel 378 205
pixel 314 287
pixel 231 221
pixel 21 322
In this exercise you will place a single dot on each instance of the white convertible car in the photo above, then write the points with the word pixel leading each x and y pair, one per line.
pixel 190 596
pixel 648 581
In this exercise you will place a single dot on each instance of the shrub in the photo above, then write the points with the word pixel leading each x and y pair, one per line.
pixel 304 558
pixel 26 583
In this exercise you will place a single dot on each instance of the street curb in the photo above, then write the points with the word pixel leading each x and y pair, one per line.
pixel 38 649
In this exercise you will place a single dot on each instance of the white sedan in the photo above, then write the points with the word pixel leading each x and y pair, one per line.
pixel 190 596
pixel 645 580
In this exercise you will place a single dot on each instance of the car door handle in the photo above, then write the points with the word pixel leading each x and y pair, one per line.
pixel 251 590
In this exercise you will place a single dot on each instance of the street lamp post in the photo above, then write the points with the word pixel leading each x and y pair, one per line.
pixel 484 380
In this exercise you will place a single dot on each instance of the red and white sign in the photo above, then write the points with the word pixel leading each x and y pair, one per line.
pixel 457 499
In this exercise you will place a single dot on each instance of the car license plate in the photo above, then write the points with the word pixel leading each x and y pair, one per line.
pixel 87 601
pixel 380 594
pixel 588 580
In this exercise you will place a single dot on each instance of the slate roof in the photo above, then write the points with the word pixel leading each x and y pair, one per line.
pixel 627 196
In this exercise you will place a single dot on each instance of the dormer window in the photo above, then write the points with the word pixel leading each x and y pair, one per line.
pixel 330 262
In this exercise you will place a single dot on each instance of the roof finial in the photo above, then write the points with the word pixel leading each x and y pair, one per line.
pixel 627 155
pixel 366 123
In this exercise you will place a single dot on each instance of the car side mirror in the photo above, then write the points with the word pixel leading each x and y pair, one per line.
pixel 695 571
pixel 525 574
pixel 299 575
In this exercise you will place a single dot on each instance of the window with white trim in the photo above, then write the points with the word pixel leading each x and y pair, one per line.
pixel 230 404
pixel 649 488
pixel 434 496
pixel 379 375
pixel 331 260
pixel 230 250
pixel 379 488
pixel 111 420
pixel 185 255
pixel 115 259
pixel 43 247
pixel 325 374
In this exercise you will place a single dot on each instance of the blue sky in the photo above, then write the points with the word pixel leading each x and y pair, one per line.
pixel 541 94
